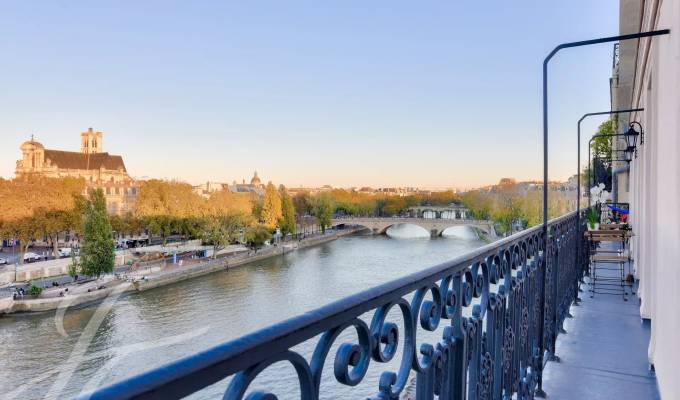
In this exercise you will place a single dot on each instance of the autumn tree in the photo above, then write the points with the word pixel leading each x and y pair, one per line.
pixel 34 206
pixel 97 254
pixel 224 202
pixel 166 207
pixel 271 207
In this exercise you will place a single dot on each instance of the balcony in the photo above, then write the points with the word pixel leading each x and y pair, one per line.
pixel 495 323
pixel 603 353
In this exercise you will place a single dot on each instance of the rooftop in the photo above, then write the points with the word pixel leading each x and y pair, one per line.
pixel 77 160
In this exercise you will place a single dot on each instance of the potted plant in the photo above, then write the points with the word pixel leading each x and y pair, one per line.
pixel 593 222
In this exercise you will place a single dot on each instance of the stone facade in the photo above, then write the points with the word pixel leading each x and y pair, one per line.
pixel 98 168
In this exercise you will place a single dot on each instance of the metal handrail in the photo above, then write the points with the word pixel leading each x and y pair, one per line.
pixel 469 275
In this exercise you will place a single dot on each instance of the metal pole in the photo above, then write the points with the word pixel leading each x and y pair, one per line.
pixel 550 55
pixel 545 142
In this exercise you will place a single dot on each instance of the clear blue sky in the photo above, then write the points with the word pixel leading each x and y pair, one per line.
pixel 346 93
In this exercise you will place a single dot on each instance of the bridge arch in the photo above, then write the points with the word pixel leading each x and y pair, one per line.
pixel 397 224
pixel 434 226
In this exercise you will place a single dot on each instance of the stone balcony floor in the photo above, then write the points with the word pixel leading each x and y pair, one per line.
pixel 603 355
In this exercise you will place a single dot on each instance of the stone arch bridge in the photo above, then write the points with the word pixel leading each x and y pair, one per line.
pixel 433 225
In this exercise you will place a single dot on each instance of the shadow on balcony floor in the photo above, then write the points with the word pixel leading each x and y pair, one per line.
pixel 603 355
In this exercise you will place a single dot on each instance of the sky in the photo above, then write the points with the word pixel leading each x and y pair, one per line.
pixel 348 93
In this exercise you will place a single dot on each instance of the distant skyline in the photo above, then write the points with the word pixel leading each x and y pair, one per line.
pixel 348 94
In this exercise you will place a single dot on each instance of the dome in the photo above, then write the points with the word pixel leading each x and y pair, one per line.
pixel 31 145
pixel 255 180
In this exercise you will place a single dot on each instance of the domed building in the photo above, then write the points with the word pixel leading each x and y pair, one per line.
pixel 255 186
pixel 98 168
pixel 255 181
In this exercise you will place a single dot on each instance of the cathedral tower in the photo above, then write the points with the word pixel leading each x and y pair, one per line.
pixel 91 142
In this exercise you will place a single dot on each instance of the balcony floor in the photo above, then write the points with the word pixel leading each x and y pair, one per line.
pixel 603 355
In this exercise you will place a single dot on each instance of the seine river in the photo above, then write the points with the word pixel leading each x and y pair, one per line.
pixel 145 330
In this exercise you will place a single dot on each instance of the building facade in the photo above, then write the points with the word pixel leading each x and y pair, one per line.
pixel 98 168
pixel 648 76
pixel 208 188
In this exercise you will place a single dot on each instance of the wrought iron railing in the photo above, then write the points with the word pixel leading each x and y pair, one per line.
pixel 499 310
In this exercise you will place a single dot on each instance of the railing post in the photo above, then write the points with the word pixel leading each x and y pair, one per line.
pixel 458 356
pixel 543 269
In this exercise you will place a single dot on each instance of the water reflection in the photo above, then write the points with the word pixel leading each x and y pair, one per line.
pixel 461 232
pixel 407 231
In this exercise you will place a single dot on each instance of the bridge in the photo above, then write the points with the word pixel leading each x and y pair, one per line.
pixel 433 225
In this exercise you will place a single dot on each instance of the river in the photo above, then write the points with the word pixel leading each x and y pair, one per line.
pixel 148 329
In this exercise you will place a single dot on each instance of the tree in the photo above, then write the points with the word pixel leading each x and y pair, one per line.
pixel 478 203
pixel 74 266
pixel 287 222
pixel 164 206
pixel 602 144
pixel 224 202
pixel 190 227
pixel 271 207
pixel 53 223
pixel 220 231
pixel 34 206
pixel 256 236
pixel 323 210
pixel 601 153
pixel 97 254
pixel 162 225
pixel 303 204
pixel 118 225
pixel 35 290
pixel 25 230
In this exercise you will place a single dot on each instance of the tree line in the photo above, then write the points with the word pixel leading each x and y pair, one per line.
pixel 511 206
pixel 35 207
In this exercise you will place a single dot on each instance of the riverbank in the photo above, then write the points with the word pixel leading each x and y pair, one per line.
pixel 155 276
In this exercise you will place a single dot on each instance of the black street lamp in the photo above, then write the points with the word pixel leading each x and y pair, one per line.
pixel 578 157
pixel 631 136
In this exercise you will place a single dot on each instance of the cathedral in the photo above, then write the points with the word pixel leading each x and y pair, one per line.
pixel 98 168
